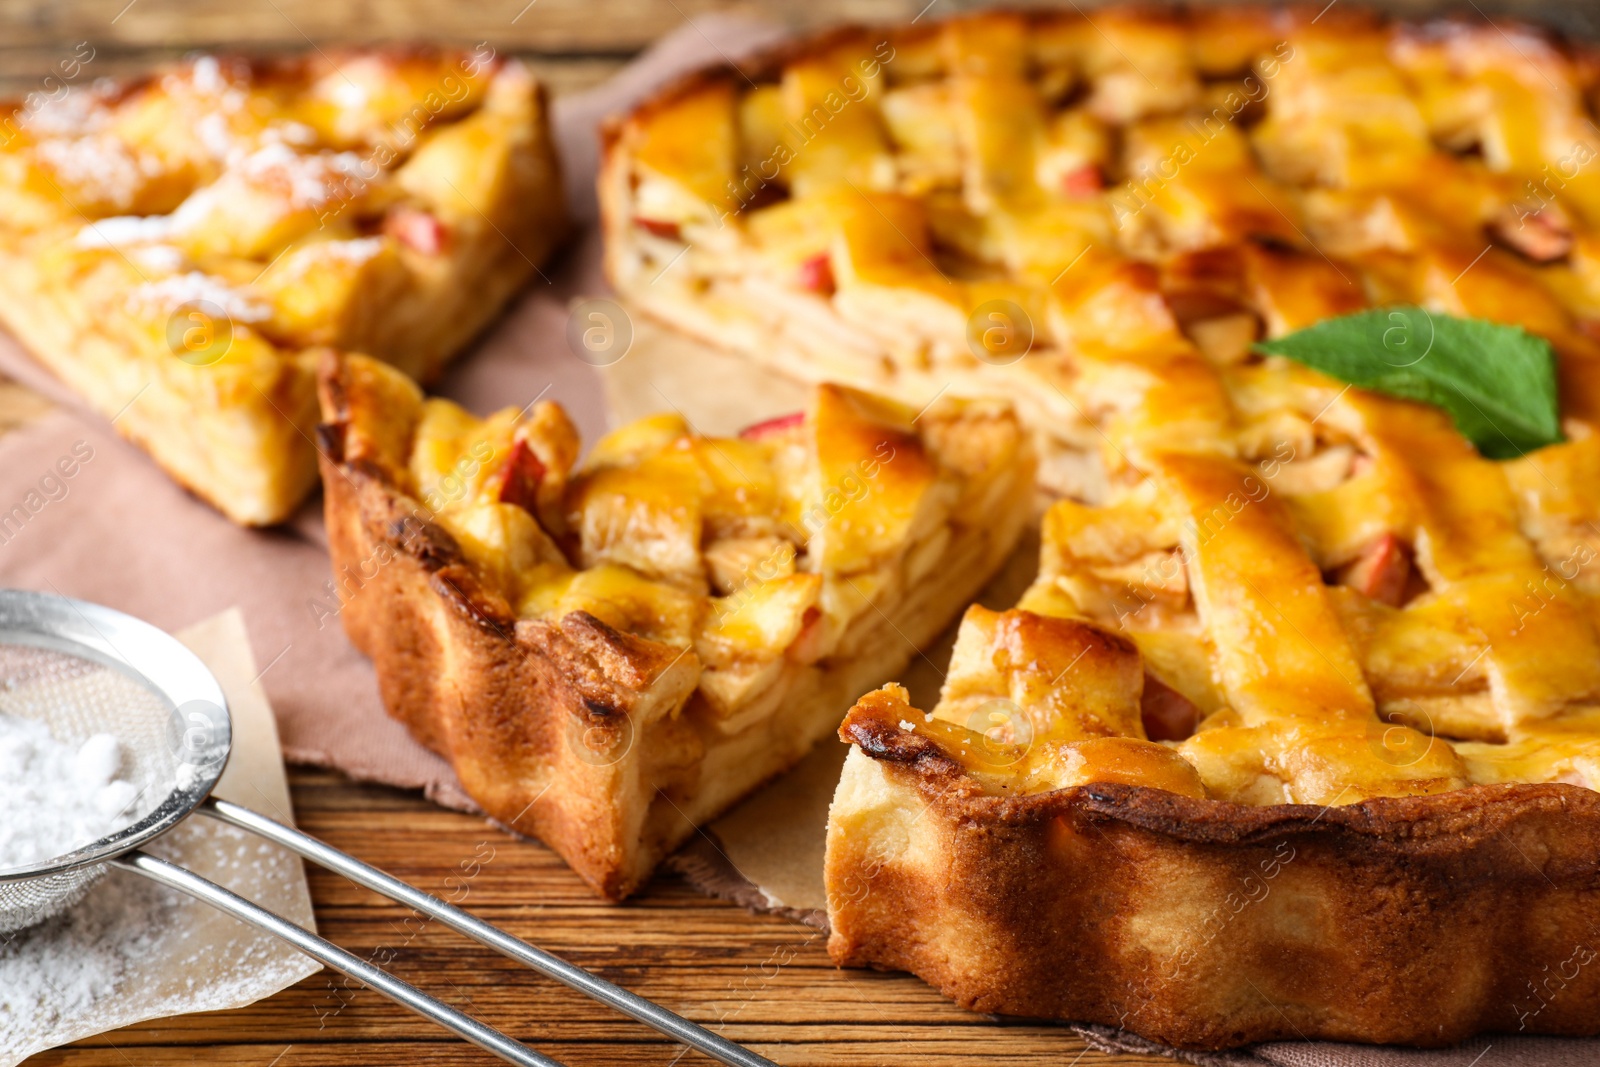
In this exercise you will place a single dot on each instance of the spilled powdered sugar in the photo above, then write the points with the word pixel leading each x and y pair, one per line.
pixel 134 950
pixel 63 968
pixel 57 797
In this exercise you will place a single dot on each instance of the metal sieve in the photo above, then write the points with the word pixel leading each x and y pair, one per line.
pixel 83 669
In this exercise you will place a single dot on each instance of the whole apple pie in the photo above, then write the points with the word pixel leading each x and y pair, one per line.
pixel 612 652
pixel 175 247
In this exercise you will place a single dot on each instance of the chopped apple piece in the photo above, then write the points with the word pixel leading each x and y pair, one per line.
pixel 768 428
pixel 816 274
pixel 1168 715
pixel 420 231
pixel 520 481
pixel 1083 182
pixel 1381 572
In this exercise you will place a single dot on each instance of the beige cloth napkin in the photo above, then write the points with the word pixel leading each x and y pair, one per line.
pixel 120 533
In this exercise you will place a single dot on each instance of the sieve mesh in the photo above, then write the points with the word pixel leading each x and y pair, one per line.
pixel 74 698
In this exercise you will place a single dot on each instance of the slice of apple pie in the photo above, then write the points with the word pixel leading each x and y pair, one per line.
pixel 174 248
pixel 612 652
pixel 1304 746
pixel 1083 212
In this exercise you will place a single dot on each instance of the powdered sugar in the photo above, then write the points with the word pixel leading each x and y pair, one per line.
pixel 355 250
pixel 350 96
pixel 121 230
pixel 65 967
pixel 169 294
pixel 140 237
pixel 71 114
pixel 215 133
pixel 162 259
pixel 130 950
pixel 312 179
pixel 100 164
pixel 57 797
pixel 206 73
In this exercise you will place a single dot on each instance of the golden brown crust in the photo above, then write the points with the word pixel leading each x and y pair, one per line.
pixel 767 63
pixel 527 712
pixel 1205 924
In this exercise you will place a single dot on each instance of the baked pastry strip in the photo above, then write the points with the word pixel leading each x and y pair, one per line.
pixel 611 653
pixel 175 248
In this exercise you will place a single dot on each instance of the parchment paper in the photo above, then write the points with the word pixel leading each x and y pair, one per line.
pixel 131 950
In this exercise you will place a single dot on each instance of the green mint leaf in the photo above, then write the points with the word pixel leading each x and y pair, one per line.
pixel 1497 382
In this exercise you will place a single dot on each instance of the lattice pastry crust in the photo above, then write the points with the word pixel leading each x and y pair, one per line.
pixel 175 248
pixel 1296 734
pixel 1306 747
pixel 1192 789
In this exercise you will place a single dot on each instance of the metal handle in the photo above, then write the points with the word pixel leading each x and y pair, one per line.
pixel 630 1004
pixel 331 955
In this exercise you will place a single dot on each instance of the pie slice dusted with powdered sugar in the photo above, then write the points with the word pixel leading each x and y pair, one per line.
pixel 176 247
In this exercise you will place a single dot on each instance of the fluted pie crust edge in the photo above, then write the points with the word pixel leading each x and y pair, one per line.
pixel 1462 912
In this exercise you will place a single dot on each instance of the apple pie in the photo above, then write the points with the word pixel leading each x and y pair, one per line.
pixel 612 652
pixel 1087 214
pixel 176 247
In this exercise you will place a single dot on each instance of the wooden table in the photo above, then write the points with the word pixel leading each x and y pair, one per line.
pixel 763 980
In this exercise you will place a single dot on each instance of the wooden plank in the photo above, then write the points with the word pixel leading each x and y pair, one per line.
pixel 762 980
pixel 611 26
pixel 37 69
pixel 573 43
